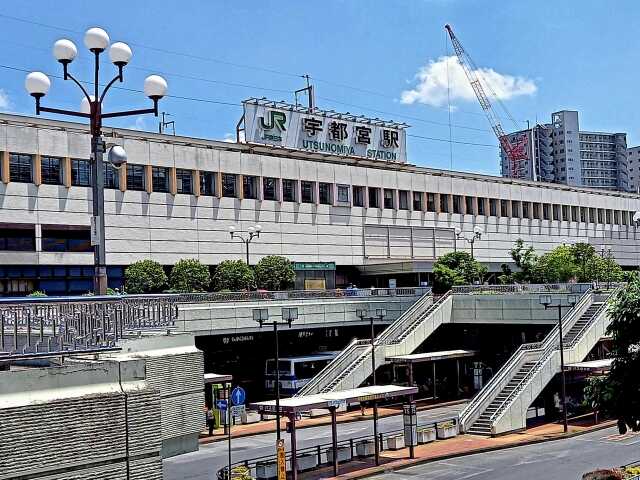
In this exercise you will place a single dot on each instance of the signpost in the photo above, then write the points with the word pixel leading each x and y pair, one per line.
pixel 410 421
pixel 282 464
pixel 238 396
pixel 221 404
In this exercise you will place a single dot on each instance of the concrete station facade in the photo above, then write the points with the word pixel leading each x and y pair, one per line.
pixel 177 196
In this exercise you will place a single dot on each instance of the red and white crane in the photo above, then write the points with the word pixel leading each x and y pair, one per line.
pixel 516 152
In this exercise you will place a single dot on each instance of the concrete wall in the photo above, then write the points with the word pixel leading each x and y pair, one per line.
pixel 89 420
pixel 237 317
pixel 168 227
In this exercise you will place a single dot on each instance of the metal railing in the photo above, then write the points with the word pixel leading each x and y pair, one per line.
pixel 261 295
pixel 522 288
pixel 63 325
pixel 321 451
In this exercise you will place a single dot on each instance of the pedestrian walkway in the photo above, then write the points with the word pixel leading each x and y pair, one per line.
pixel 350 416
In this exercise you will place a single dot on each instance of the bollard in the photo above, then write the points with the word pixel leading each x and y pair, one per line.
pixel 381 442
pixel 351 446
pixel 319 455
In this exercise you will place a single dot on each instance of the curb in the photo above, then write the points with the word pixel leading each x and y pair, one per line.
pixel 224 438
pixel 418 461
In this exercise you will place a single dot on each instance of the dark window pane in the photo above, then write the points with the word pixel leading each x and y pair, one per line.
pixel 184 181
pixel 51 170
pixel 444 203
pixel 306 192
pixel 160 179
pixel 469 205
pixel 343 193
pixel 431 202
pixel 81 172
pixel 229 185
pixel 457 204
pixel 249 187
pixel 358 196
pixel 135 177
pixel 21 168
pixel 54 240
pixel 207 183
pixel 269 188
pixel 374 197
pixel 417 201
pixel 111 176
pixel 289 190
pixel 481 206
pixel 403 200
pixel 324 193
pixel 388 198
pixel 18 239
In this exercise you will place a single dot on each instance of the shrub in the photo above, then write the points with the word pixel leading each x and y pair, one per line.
pixel 145 276
pixel 456 268
pixel 233 275
pixel 275 273
pixel 37 293
pixel 189 275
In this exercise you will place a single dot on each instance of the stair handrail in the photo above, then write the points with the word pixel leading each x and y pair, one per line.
pixel 514 362
pixel 586 326
pixel 416 322
pixel 403 318
pixel 544 357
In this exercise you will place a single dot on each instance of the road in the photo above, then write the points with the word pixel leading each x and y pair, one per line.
pixel 203 464
pixel 558 460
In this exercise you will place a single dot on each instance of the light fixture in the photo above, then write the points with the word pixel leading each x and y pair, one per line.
pixel 117 155
pixel 361 312
pixel 232 229
pixel 258 228
pixel 545 300
pixel 478 230
pixel 381 312
pixel 572 299
pixel 458 231
pixel 155 87
pixel 96 39
pixel 64 51
pixel 251 229
pixel 37 84
pixel 120 54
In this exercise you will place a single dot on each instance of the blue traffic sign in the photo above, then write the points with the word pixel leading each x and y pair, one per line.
pixel 221 404
pixel 238 396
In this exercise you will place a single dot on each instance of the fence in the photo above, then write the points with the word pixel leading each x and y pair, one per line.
pixel 576 288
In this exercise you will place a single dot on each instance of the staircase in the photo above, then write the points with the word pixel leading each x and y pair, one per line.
pixel 501 406
pixel 353 365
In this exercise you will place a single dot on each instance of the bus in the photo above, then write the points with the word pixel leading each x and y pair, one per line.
pixel 295 372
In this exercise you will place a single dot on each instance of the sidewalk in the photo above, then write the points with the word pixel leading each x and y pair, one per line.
pixel 352 416
pixel 458 446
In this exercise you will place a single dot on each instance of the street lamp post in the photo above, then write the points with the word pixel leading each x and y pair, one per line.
pixel 289 315
pixel 253 232
pixel 477 235
pixel 571 301
pixel 155 87
pixel 605 254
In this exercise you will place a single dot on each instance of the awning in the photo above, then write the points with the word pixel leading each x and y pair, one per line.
pixel 334 399
pixel 431 356
pixel 216 378
pixel 593 366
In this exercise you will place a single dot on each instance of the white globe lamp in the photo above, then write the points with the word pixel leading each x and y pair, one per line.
pixel 258 228
pixel 65 51
pixel 96 39
pixel 37 84
pixel 85 106
pixel 117 156
pixel 120 54
pixel 155 87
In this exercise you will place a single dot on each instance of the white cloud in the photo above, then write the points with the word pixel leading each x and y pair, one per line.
pixel 231 138
pixel 139 124
pixel 5 101
pixel 431 88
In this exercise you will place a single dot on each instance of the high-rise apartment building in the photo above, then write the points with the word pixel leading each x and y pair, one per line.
pixel 633 161
pixel 559 152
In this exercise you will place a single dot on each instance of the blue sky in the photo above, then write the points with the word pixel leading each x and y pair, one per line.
pixel 378 58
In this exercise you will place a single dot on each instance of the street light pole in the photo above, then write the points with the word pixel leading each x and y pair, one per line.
pixel 477 235
pixel 254 232
pixel 155 87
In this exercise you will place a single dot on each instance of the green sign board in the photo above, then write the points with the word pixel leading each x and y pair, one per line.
pixel 314 265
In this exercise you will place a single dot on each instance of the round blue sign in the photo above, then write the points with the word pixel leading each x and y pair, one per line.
pixel 238 396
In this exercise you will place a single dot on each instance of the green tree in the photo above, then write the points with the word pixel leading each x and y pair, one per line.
pixel 624 329
pixel 189 275
pixel 456 268
pixel 275 273
pixel 145 276
pixel 556 266
pixel 526 260
pixel 233 275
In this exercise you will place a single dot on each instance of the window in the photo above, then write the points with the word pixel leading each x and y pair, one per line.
pixel 184 181
pixel 160 179
pixel 608 217
pixel 575 213
pixel 249 187
pixel 525 210
pixel 457 204
pixel 583 214
pixel 616 217
pixel 481 206
pixel 269 188
pixel 81 172
pixel 600 215
pixel 66 240
pixel 324 193
pixel 306 192
pixel 403 200
pixel 289 190
pixel 592 215
pixel 493 207
pixel 208 184
pixel 229 185
pixel 431 202
pixel 565 213
pixel 135 177
pixel 546 214
pixel 22 239
pixel 343 193
pixel 51 170
pixel 468 205
pixel 358 196
pixel 504 208
pixel 111 176
pixel 21 168
pixel 417 201
pixel 374 197
pixel 444 203
pixel 556 212
pixel 515 209
pixel 625 218
pixel 389 200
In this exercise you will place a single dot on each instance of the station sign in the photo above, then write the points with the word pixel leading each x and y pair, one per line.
pixel 327 132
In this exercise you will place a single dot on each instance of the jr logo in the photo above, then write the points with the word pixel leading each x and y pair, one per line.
pixel 276 119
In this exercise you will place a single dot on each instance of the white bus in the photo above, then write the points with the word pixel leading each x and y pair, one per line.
pixel 295 372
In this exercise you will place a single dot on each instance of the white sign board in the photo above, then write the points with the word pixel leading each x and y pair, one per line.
pixel 323 132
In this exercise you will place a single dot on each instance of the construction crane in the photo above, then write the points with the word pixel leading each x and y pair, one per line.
pixel 516 152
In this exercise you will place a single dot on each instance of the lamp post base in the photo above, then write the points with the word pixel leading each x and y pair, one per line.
pixel 100 281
